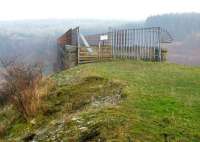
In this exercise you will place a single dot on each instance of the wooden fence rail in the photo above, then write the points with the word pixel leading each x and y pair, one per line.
pixel 98 54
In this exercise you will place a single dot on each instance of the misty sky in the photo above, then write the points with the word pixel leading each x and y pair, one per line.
pixel 93 9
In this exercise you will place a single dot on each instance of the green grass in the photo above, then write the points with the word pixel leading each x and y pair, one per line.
pixel 163 99
pixel 162 102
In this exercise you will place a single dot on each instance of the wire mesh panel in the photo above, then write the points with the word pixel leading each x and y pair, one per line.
pixel 141 43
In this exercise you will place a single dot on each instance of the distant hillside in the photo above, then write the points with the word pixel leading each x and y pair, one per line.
pixel 179 25
pixel 185 29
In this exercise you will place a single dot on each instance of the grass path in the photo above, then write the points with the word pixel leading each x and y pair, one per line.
pixel 163 101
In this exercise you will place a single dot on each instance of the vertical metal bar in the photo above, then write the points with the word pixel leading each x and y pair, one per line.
pixel 121 43
pixel 146 44
pixel 111 40
pixel 154 53
pixel 130 47
pixel 143 51
pixel 159 47
pixel 138 40
pixel 113 43
pixel 137 43
pixel 133 44
pixel 115 49
pixel 117 44
pixel 149 44
pixel 78 45
pixel 124 44
pixel 150 49
pixel 126 40
pixel 129 43
pixel 140 37
pixel 156 44
pixel 120 47
pixel 141 43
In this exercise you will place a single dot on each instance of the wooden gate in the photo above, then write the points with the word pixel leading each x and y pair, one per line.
pixel 94 54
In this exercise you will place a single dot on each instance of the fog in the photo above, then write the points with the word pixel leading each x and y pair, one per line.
pixel 35 40
pixel 92 9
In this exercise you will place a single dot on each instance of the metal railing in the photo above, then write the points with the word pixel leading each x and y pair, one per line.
pixel 140 43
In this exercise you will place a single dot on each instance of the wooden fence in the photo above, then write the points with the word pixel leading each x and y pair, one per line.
pixel 97 54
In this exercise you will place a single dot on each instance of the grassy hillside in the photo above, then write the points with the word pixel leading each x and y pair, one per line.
pixel 117 101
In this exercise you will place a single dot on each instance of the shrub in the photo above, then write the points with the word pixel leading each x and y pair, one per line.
pixel 3 99
pixel 21 87
pixel 2 130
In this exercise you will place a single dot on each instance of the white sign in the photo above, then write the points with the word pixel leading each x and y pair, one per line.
pixel 104 37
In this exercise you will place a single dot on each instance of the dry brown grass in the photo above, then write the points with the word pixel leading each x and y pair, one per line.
pixel 2 131
pixel 24 87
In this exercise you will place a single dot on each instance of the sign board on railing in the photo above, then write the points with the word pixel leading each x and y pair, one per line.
pixel 104 37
